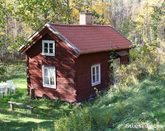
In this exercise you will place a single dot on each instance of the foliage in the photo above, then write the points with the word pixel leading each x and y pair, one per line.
pixel 85 119
pixel 145 23
pixel 80 120
pixel 145 63
pixel 143 29
pixel 8 72
pixel 2 70
pixel 20 18
pixel 36 13
pixel 102 117
pixel 156 19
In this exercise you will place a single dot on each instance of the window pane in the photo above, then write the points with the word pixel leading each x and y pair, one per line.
pixel 51 76
pixel 46 72
pixel 51 80
pixel 51 71
pixel 97 70
pixel 45 50
pixel 93 79
pixel 93 71
pixel 97 78
pixel 50 45
pixel 46 80
pixel 45 45
pixel 50 50
pixel 97 73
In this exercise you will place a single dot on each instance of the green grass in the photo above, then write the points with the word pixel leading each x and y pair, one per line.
pixel 45 111
pixel 143 104
pixel 138 107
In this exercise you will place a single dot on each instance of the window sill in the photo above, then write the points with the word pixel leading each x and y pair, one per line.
pixel 45 54
pixel 95 84
pixel 49 86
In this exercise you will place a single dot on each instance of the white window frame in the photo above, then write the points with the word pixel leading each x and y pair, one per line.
pixel 92 74
pixel 43 77
pixel 43 45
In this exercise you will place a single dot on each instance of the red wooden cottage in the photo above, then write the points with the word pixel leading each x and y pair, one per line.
pixel 69 61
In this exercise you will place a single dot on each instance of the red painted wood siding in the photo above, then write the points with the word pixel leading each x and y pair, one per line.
pixel 83 73
pixel 64 61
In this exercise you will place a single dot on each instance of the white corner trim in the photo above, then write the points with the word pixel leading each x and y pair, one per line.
pixel 36 33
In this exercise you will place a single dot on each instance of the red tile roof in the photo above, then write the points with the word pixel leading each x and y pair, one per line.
pixel 93 38
pixel 85 38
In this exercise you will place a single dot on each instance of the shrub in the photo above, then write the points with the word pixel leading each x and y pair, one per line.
pixel 63 124
pixel 102 118
pixel 77 121
pixel 145 63
pixel 2 70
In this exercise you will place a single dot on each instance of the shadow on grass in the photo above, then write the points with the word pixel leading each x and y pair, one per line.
pixel 43 108
pixel 7 77
pixel 26 126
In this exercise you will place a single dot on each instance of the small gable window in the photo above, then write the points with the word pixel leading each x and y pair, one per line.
pixel 49 76
pixel 48 47
pixel 95 74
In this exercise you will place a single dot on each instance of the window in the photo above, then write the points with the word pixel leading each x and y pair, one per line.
pixel 48 74
pixel 95 74
pixel 48 47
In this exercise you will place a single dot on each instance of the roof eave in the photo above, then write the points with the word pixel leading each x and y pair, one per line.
pixel 113 49
pixel 25 46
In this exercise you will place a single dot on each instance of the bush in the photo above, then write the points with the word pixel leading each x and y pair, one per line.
pixel 77 121
pixel 145 63
pixel 63 124
pixel 102 118
pixel 2 70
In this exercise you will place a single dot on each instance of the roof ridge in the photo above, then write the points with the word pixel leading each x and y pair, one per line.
pixel 77 25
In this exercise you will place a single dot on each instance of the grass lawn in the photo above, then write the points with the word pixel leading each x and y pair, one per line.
pixel 45 111
pixel 138 107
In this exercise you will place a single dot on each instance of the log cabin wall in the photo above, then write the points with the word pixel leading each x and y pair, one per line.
pixel 64 62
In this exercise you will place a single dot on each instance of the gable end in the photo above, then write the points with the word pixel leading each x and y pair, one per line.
pixel 39 34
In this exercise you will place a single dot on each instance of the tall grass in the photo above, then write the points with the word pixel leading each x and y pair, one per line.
pixel 138 107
